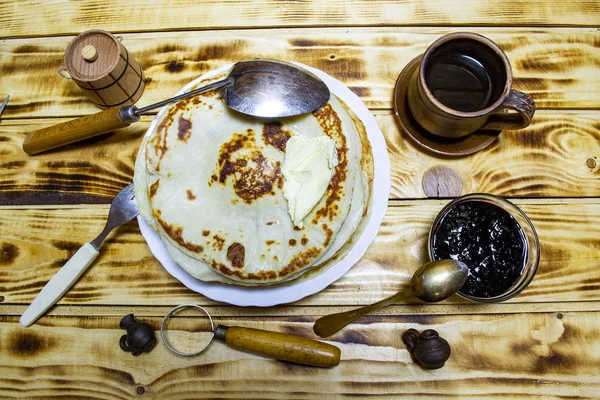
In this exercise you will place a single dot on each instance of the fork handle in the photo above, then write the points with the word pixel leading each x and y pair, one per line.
pixel 59 284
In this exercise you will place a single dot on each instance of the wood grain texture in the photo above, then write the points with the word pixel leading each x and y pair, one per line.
pixel 544 343
pixel 440 181
pixel 493 356
pixel 547 159
pixel 219 310
pixel 550 158
pixel 90 171
pixel 35 243
pixel 558 68
pixel 39 18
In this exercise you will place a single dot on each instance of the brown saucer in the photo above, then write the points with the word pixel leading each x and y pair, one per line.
pixel 470 144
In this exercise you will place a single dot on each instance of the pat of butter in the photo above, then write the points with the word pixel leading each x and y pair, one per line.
pixel 307 170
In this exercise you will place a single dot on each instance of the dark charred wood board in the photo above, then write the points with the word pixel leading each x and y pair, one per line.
pixel 541 344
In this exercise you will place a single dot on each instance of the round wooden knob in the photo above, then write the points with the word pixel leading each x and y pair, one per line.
pixel 89 53
pixel 440 181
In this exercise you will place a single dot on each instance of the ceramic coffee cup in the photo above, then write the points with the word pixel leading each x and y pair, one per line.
pixel 462 85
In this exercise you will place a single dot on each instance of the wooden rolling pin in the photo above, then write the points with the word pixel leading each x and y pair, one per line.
pixel 280 346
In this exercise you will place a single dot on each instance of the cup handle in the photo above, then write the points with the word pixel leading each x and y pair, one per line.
pixel 62 71
pixel 523 107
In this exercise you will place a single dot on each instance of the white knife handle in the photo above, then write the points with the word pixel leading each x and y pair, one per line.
pixel 59 284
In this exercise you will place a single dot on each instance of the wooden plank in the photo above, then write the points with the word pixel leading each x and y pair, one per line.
pixel 548 159
pixel 556 156
pixel 493 356
pixel 558 67
pixel 90 171
pixel 35 243
pixel 224 310
pixel 39 18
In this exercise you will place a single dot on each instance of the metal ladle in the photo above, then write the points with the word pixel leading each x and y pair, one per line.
pixel 262 88
pixel 432 282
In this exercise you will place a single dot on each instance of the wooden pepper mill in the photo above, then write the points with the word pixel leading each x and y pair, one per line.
pixel 103 68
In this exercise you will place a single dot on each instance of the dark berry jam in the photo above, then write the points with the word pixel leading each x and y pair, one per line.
pixel 486 238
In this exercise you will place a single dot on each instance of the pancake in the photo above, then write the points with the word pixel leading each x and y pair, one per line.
pixel 361 199
pixel 209 181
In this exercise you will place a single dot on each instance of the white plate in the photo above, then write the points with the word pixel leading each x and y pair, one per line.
pixel 290 292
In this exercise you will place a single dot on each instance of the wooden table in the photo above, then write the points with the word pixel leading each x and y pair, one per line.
pixel 545 342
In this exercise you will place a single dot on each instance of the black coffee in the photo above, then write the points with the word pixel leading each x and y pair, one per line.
pixel 486 238
pixel 459 82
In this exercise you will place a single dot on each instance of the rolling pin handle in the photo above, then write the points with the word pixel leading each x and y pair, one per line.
pixel 280 346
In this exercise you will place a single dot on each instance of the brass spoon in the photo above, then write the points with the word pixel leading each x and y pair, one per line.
pixel 432 282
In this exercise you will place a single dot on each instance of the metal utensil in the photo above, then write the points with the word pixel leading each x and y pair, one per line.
pixel 262 88
pixel 432 282
pixel 280 346
pixel 122 209
pixel 3 104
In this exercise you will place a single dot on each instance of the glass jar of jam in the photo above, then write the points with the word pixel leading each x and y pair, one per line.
pixel 494 238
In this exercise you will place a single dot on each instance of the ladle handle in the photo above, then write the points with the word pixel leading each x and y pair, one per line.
pixel 96 124
pixel 78 129
pixel 330 324
pixel 280 346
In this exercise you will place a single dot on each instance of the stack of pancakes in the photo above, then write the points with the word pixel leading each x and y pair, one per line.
pixel 208 180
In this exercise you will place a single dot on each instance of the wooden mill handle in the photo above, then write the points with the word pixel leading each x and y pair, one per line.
pixel 73 131
pixel 281 346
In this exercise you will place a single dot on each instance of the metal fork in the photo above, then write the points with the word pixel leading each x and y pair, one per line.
pixel 122 209
pixel 4 104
